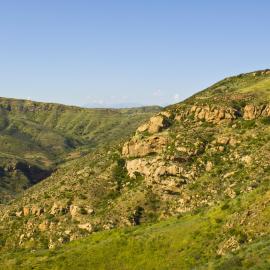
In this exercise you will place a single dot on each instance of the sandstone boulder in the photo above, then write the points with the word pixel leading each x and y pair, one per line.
pixel 156 123
pixel 37 211
pixel 143 147
pixel 74 209
pixel 251 112
pixel 209 166
pixel 143 127
pixel 26 211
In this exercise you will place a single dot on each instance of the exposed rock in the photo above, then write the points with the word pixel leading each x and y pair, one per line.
pixel 143 127
pixel 172 170
pixel 230 245
pixel 247 160
pixel 21 239
pixel 74 209
pixel 54 209
pixel 223 140
pixel 19 213
pixel 209 166
pixel 89 210
pixel 213 114
pixel 141 147
pixel 221 148
pixel 230 192
pixel 152 169
pixel 233 142
pixel 229 174
pixel 137 165
pixel 37 211
pixel 167 114
pixel 26 211
pixel 57 208
pixel 43 226
pixel 87 226
pixel 156 123
pixel 252 112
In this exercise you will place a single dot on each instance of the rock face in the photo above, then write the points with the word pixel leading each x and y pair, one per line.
pixel 137 147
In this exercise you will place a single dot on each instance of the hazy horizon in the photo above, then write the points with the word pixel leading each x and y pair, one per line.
pixel 147 53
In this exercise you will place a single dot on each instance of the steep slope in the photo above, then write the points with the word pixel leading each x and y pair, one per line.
pixel 205 160
pixel 35 137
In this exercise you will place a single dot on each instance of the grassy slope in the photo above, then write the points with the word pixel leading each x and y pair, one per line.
pixel 251 87
pixel 190 241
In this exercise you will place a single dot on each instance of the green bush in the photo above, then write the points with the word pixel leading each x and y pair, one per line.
pixel 120 173
pixel 265 120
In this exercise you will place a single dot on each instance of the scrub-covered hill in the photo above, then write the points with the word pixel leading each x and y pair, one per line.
pixel 35 137
pixel 189 190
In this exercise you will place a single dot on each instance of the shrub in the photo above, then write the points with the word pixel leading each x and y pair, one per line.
pixel 265 120
pixel 120 173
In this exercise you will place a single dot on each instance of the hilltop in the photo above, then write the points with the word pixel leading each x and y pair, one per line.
pixel 190 189
pixel 36 137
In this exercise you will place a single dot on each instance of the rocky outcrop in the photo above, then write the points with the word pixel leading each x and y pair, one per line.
pixel 155 168
pixel 213 114
pixel 207 113
pixel 138 147
pixel 252 112
pixel 156 123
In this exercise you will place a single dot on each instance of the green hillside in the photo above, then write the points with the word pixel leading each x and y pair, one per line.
pixel 35 137
pixel 189 241
pixel 188 190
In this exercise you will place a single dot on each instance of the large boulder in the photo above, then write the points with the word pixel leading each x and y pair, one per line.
pixel 251 112
pixel 156 123
pixel 137 147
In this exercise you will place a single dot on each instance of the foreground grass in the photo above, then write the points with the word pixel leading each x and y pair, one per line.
pixel 174 244
pixel 183 243
pixel 187 242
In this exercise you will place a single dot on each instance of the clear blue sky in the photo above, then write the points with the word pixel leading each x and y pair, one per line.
pixel 139 51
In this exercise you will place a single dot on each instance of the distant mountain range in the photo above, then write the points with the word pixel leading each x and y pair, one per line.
pixel 113 105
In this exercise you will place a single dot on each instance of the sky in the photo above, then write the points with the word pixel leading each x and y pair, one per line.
pixel 125 51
